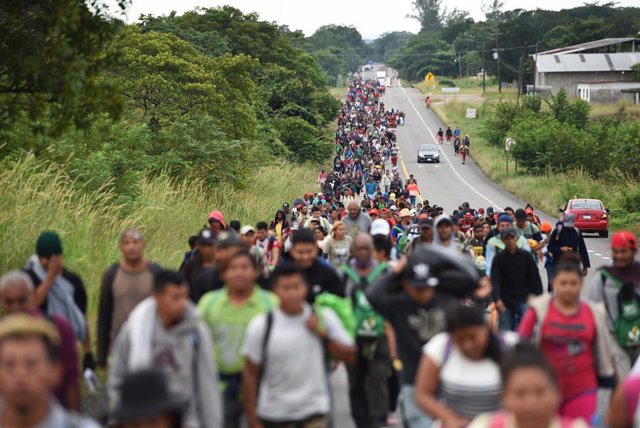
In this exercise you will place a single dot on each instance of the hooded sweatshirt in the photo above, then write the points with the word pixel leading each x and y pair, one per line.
pixel 217 215
pixel 183 352
pixel 451 246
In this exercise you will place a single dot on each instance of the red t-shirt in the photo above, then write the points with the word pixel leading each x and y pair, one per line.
pixel 568 342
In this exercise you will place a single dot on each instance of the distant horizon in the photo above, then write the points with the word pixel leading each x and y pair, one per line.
pixel 361 14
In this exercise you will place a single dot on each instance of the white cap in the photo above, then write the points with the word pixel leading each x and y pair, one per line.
pixel 414 212
pixel 380 227
pixel 246 229
pixel 393 208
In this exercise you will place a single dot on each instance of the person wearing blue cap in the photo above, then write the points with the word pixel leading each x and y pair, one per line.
pixel 495 244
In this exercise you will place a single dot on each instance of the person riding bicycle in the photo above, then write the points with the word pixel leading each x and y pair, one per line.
pixel 440 135
pixel 448 133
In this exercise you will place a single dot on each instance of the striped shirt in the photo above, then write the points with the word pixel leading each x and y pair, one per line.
pixel 467 387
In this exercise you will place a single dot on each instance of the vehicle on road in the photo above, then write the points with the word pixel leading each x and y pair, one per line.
pixel 428 153
pixel 591 215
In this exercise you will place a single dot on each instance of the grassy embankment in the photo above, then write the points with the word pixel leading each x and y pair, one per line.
pixel 36 197
pixel 551 190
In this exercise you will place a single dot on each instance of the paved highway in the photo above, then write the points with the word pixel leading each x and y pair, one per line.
pixel 450 183
pixel 447 184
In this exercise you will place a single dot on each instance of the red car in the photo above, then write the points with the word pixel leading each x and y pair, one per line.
pixel 591 215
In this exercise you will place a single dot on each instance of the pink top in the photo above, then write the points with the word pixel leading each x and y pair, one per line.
pixel 567 341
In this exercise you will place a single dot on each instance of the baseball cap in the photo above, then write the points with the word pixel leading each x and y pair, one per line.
pixel 569 219
pixel 521 214
pixel 207 236
pixel 545 227
pixel 374 212
pixel 481 210
pixel 393 208
pixel 227 239
pixel 380 227
pixel 430 266
pixel 404 213
pixel 285 205
pixel 425 222
pixel 508 232
pixel 246 229
pixel 624 239
pixel 413 212
pixel 505 218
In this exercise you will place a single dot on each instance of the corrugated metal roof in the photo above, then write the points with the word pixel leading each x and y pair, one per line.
pixel 587 62
pixel 589 45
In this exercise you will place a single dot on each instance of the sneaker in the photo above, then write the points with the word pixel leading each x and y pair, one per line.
pixel 392 419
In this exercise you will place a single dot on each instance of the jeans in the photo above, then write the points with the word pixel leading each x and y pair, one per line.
pixel 233 413
pixel 511 317
pixel 414 417
pixel 413 200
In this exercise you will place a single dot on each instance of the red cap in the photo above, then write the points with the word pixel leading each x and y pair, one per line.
pixel 374 212
pixel 385 210
pixel 468 215
pixel 528 211
pixel 624 239
pixel 481 210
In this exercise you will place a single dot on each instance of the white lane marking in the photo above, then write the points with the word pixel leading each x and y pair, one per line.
pixel 598 254
pixel 442 151
pixel 589 251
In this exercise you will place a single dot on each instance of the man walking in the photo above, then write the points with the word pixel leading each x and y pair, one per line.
pixel 124 285
pixel 166 332
pixel 285 383
pixel 515 277
pixel 356 221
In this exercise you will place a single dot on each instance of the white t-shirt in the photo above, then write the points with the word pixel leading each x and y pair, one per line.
pixel 467 387
pixel 294 385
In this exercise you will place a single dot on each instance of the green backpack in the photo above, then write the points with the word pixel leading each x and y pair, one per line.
pixel 342 308
pixel 627 324
pixel 368 323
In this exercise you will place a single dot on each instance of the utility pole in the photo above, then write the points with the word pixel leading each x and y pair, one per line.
pixel 520 65
pixel 535 69
pixel 484 71
pixel 498 58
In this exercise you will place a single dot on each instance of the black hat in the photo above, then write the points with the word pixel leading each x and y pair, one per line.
pixel 508 232
pixel 207 236
pixel 145 394
pixel 227 239
pixel 521 214
pixel 430 266
pixel 285 205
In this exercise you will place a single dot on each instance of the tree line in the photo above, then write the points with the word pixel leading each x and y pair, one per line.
pixel 208 94
pixel 451 43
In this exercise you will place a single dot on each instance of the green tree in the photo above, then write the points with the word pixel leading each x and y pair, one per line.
pixel 51 53
pixel 428 13
pixel 636 72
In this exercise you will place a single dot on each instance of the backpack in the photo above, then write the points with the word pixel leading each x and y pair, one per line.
pixel 368 324
pixel 627 324
pixel 342 308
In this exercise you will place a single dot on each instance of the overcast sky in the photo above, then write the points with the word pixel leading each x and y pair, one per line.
pixel 370 17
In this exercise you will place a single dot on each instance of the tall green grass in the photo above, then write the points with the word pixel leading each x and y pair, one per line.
pixel 548 191
pixel 35 197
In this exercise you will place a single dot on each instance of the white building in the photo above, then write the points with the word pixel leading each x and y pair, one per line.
pixel 602 63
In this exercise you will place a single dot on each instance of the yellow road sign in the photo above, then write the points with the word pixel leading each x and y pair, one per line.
pixel 430 77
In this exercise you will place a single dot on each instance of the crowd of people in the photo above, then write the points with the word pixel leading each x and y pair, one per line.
pixel 441 319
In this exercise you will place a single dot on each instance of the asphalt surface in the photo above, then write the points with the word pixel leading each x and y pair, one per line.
pixel 450 183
